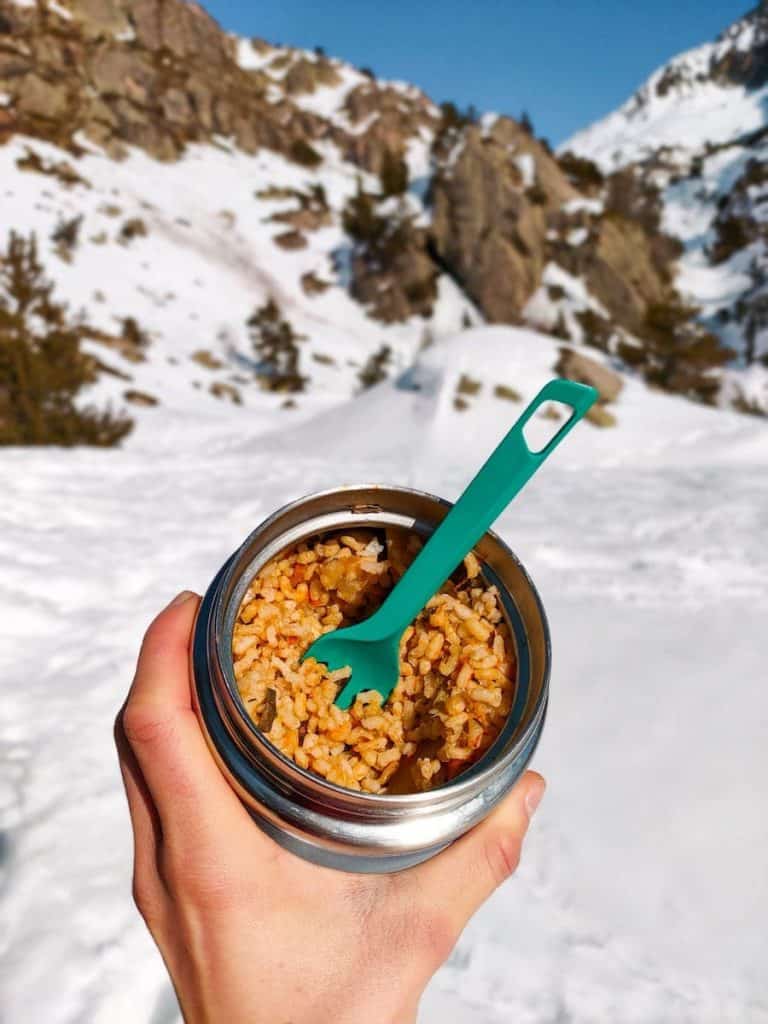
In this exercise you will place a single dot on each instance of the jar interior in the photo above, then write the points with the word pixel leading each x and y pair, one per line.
pixel 388 538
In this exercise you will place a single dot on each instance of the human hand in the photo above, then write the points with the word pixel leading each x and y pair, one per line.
pixel 248 931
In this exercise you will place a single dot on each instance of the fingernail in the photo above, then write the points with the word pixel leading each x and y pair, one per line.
pixel 534 795
pixel 181 598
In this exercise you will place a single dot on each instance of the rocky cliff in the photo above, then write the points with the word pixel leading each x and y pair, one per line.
pixel 160 74
pixel 423 216
pixel 697 132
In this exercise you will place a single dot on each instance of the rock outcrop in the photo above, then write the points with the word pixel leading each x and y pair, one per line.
pixel 160 74
pixel 557 242
pixel 489 225
pixel 389 119
pixel 578 366
pixel 504 208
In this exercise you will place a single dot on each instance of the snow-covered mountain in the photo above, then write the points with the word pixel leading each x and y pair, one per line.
pixel 181 221
pixel 178 180
pixel 698 129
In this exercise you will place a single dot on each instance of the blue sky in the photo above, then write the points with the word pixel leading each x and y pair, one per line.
pixel 565 63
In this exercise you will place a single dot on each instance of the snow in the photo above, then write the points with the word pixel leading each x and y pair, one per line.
pixel 742 35
pixel 690 209
pixel 579 205
pixel 642 895
pixel 207 261
pixel 577 236
pixel 59 9
pixel 526 164
pixel 249 58
pixel 487 121
pixel 328 100
pixel 543 312
pixel 714 114
pixel 691 111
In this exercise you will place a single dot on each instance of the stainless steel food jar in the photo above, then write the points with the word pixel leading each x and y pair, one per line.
pixel 323 822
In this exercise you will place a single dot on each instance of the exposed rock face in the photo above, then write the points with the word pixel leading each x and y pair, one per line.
pixel 161 73
pixel 490 215
pixel 151 73
pixel 40 98
pixel 101 17
pixel 7 124
pixel 290 240
pixel 617 266
pixel 391 122
pixel 116 71
pixel 504 209
pixel 741 64
pixel 184 29
pixel 305 76
pixel 579 367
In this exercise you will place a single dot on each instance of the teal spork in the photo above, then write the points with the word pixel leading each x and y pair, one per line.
pixel 371 648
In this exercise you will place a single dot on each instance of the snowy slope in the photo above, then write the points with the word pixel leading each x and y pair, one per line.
pixel 207 260
pixel 642 896
pixel 190 247
pixel 683 106
pixel 683 121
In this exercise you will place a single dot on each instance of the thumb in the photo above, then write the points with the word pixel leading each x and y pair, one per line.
pixel 475 865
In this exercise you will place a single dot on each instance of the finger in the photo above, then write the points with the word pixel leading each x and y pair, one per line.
pixel 165 652
pixel 162 729
pixel 145 823
pixel 144 819
pixel 475 865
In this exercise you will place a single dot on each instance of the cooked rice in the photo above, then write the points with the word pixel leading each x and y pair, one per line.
pixel 457 666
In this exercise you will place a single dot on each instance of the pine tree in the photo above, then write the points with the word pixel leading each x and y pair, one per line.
pixel 360 220
pixel 375 369
pixel 752 309
pixel 275 344
pixel 42 368
pixel 393 174
pixel 382 239
pixel 677 354
pixel 452 123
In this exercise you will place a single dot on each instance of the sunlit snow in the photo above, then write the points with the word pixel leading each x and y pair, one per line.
pixel 646 860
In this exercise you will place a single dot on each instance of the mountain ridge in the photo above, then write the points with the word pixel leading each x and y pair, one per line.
pixel 377 220
pixel 698 130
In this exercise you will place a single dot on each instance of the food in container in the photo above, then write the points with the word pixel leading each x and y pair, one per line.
pixel 457 665
pixel 314 809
